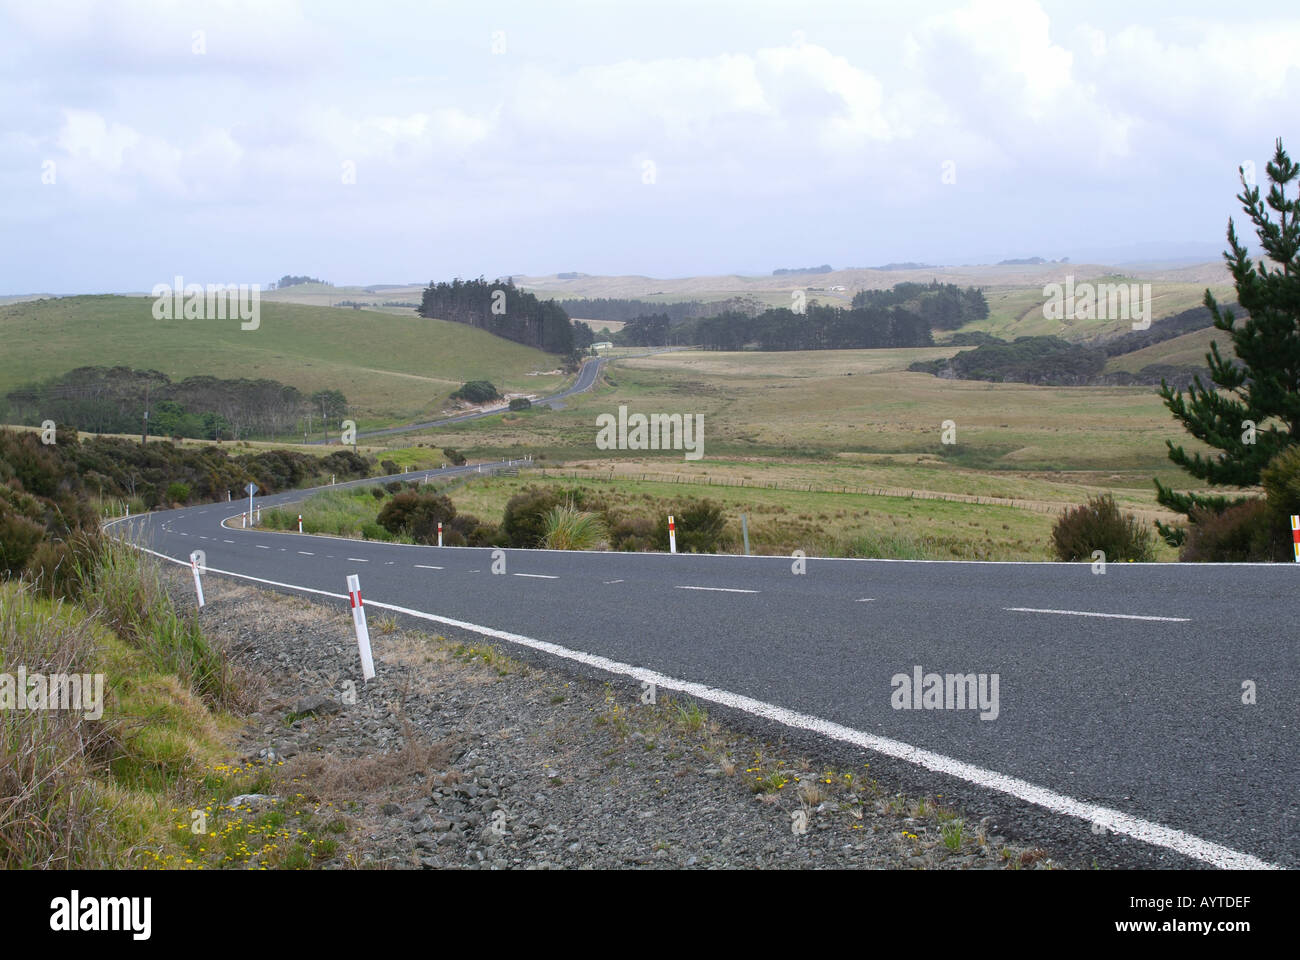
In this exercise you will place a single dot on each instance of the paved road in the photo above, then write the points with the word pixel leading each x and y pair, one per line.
pixel 1122 690
pixel 587 376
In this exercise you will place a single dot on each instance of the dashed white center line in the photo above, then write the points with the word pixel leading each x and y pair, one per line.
pixel 718 589
pixel 227 541
pixel 184 534
pixel 865 600
pixel 538 576
pixel 1086 613
pixel 424 566
pixel 262 546
pixel 357 559
pixel 613 581
pixel 306 553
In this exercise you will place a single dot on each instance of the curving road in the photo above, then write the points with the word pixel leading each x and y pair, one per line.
pixel 1120 714
pixel 587 377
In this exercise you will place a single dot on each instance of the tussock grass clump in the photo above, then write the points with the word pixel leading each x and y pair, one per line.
pixel 568 528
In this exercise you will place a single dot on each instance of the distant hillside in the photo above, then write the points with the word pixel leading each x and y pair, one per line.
pixel 389 366
pixel 1188 350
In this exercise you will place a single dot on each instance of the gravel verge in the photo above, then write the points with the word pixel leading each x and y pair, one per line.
pixel 461 755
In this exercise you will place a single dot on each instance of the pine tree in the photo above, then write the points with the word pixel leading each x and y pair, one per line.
pixel 1252 412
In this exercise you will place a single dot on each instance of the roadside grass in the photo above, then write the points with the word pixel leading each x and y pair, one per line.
pixel 349 512
pixel 97 794
pixel 145 785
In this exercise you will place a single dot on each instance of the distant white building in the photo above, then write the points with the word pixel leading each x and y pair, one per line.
pixel 602 345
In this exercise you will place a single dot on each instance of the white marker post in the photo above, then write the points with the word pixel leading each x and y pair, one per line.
pixel 250 490
pixel 198 584
pixel 1295 535
pixel 359 621
pixel 300 523
pixel 243 521
pixel 672 535
pixel 440 533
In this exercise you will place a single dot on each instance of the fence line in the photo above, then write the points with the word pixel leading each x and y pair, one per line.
pixel 904 493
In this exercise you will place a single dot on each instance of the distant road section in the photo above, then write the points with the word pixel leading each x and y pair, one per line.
pixel 586 380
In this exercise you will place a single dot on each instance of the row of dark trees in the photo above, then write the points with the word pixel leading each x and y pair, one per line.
pixel 114 400
pixel 501 308
pixel 901 317
pixel 818 327
pixel 617 310
pixel 943 306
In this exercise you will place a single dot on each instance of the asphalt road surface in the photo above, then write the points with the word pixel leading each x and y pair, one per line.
pixel 1119 699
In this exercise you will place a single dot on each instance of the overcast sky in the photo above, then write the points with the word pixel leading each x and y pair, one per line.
pixel 216 140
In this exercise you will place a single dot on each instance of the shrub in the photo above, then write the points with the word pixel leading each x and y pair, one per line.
pixel 416 514
pixel 1099 525
pixel 19 537
pixel 469 530
pixel 476 391
pixel 700 527
pixel 378 492
pixel 392 486
pixel 1281 480
pixel 632 533
pixel 454 457
pixel 390 466
pixel 1242 533
pixel 373 531
pixel 520 403
pixel 178 492
pixel 524 521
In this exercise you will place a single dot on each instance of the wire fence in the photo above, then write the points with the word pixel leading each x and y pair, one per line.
pixel 1036 506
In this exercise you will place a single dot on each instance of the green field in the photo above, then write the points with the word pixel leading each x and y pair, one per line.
pixel 856 420
pixel 392 367
pixel 1018 312
pixel 1189 350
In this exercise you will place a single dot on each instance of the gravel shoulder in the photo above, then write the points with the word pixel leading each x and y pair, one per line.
pixel 461 755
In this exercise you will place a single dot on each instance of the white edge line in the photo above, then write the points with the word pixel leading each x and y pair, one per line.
pixel 357 559
pixel 424 566
pixel 1085 613
pixel 1116 821
pixel 536 576
pixel 718 589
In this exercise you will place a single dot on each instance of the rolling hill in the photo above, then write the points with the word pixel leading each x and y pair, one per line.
pixel 390 366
